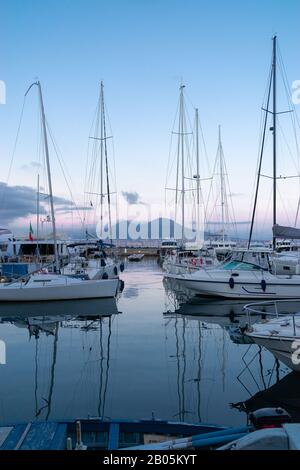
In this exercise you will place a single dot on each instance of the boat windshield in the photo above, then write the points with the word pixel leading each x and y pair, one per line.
pixel 240 266
pixel 260 259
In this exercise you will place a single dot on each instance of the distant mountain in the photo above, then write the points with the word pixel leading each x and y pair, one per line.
pixel 161 228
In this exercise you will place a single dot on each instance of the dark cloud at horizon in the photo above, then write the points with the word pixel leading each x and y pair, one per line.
pixel 21 201
pixel 132 197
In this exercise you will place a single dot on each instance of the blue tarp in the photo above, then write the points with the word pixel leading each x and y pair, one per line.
pixel 14 269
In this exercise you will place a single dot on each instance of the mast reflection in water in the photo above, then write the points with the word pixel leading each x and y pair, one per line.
pixel 168 354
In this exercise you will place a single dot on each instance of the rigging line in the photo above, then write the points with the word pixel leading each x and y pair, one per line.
pixel 179 145
pixel 14 150
pixel 106 167
pixel 297 211
pixel 284 207
pixel 230 198
pixel 87 167
pixel 267 208
pixel 260 160
pixel 113 149
pixel 286 82
pixel 60 161
pixel 293 116
pixel 211 188
pixel 112 168
pixel 288 146
pixel 170 143
pixel 260 137
pixel 60 158
pixel 202 140
pixel 188 122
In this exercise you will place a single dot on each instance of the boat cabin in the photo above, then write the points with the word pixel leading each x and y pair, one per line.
pixel 249 259
pixel 29 251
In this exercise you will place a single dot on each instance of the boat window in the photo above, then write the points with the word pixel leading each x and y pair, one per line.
pixel 31 249
pixel 241 265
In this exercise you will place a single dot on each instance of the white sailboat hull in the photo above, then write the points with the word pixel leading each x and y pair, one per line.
pixel 245 286
pixel 62 288
pixel 281 348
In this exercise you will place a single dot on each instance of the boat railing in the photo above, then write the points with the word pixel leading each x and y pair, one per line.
pixel 259 308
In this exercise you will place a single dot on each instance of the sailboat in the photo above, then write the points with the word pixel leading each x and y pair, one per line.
pixel 253 273
pixel 43 286
pixel 182 255
pixel 220 244
pixel 93 260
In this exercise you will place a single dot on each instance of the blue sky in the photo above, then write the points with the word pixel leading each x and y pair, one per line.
pixel 142 49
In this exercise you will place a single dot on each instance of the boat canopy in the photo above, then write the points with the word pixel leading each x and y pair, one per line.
pixel 256 257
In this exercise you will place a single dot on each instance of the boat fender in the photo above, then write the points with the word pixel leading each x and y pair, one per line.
pixel 194 261
pixel 121 285
pixel 115 271
pixel 103 263
pixel 122 267
pixel 263 285
pixel 104 276
pixel 231 283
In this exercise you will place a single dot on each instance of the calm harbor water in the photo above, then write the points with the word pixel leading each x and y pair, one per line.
pixel 149 353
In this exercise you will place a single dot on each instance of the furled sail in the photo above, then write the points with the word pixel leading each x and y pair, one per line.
pixel 279 231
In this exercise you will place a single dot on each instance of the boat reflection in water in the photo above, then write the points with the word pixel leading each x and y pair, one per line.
pixel 66 308
pixel 228 313
pixel 221 311
pixel 48 323
pixel 209 341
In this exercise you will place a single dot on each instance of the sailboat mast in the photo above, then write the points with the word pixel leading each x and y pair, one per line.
pixel 182 162
pixel 197 155
pixel 274 137
pixel 198 178
pixel 222 185
pixel 106 164
pixel 49 176
pixel 101 156
pixel 38 216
